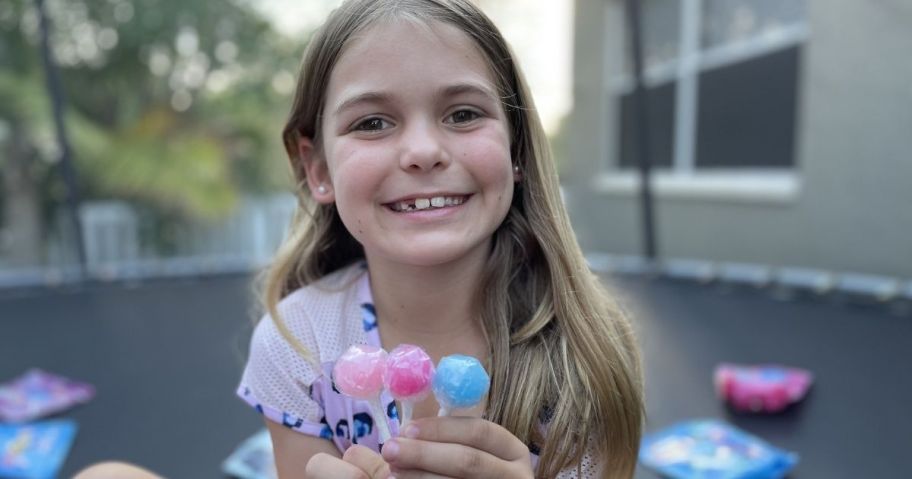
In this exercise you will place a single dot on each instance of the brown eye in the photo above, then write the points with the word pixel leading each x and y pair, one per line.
pixel 463 116
pixel 371 124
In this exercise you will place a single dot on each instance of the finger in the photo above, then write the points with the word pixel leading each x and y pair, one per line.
pixel 445 459
pixel 474 432
pixel 414 474
pixel 368 461
pixel 324 465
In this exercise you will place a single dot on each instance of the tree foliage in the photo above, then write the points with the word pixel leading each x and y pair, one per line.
pixel 174 104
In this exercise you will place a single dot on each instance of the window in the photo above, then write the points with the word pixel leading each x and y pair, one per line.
pixel 722 83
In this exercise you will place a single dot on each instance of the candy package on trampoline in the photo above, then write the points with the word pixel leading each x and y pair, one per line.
pixel 36 450
pixel 253 459
pixel 37 393
pixel 764 388
pixel 713 449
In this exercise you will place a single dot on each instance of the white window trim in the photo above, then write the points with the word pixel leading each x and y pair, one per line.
pixel 723 55
pixel 684 180
pixel 753 186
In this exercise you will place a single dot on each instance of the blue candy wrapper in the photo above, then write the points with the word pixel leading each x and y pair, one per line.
pixel 713 449
pixel 36 450
pixel 252 459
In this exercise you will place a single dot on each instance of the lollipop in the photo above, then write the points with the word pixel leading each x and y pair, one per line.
pixel 408 376
pixel 359 374
pixel 460 382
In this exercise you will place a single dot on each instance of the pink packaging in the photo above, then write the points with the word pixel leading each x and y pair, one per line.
pixel 408 377
pixel 765 388
pixel 409 373
pixel 358 373
pixel 37 393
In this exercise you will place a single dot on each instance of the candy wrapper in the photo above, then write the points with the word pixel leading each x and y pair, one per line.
pixel 408 373
pixel 460 383
pixel 358 373
pixel 35 451
pixel 762 388
pixel 37 394
pixel 253 459
pixel 408 376
pixel 708 448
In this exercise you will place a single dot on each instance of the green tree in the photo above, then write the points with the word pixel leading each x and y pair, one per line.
pixel 174 105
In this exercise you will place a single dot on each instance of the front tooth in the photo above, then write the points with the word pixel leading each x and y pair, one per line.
pixel 422 203
pixel 437 201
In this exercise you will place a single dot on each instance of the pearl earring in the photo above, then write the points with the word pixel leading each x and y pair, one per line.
pixel 321 189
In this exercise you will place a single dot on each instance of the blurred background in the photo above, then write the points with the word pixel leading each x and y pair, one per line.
pixel 171 113
pixel 143 183
pixel 778 133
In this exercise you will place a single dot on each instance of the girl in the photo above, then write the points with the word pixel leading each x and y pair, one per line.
pixel 430 215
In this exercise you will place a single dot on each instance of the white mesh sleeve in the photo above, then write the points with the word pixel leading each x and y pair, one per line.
pixel 277 379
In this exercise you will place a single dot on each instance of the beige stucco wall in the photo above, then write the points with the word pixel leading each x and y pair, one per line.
pixel 853 209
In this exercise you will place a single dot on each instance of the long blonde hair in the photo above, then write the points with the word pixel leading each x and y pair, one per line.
pixel 562 353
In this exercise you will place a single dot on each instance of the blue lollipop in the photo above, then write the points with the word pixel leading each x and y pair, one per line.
pixel 460 382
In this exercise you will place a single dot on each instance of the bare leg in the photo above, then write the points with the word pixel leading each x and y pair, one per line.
pixel 115 470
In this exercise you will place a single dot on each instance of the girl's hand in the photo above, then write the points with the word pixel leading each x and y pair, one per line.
pixel 457 447
pixel 358 462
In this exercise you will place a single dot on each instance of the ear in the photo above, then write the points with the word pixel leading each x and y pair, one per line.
pixel 316 172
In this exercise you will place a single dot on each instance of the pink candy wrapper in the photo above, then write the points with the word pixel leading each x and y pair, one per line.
pixel 408 376
pixel 38 393
pixel 358 373
pixel 761 388
pixel 409 372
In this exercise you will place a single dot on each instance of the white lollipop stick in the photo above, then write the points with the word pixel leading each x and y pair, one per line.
pixel 380 416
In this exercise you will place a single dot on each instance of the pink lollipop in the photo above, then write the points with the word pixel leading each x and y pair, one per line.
pixel 359 374
pixel 408 376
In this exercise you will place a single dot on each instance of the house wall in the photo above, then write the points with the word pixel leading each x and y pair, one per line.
pixel 852 209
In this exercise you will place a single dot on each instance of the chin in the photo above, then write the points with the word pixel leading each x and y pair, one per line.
pixel 435 255
pixel 430 258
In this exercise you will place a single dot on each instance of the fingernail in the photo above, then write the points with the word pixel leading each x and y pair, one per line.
pixel 411 431
pixel 390 450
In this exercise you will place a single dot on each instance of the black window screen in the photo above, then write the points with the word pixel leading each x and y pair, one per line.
pixel 746 115
pixel 660 103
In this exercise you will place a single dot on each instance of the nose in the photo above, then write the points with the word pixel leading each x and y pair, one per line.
pixel 423 148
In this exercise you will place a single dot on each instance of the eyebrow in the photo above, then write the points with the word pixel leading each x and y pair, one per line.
pixel 366 97
pixel 468 88
pixel 450 90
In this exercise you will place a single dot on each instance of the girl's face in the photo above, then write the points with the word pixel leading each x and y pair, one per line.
pixel 416 145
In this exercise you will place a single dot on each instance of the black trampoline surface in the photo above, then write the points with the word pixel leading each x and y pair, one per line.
pixel 166 356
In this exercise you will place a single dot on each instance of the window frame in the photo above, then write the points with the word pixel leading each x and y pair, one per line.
pixel 684 178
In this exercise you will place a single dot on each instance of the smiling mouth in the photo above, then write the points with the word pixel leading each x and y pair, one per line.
pixel 417 204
